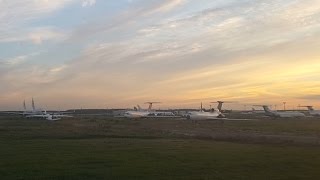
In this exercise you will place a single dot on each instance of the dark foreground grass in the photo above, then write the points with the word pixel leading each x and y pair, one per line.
pixel 113 149
pixel 154 159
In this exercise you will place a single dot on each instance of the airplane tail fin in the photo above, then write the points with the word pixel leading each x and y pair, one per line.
pixel 150 105
pixel 135 109
pixel 24 105
pixel 220 103
pixel 33 106
pixel 267 109
pixel 139 108
pixel 310 108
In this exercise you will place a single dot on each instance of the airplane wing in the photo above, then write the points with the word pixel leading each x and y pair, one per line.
pixel 11 112
pixel 60 112
pixel 37 116
pixel 240 119
pixel 228 119
pixel 61 115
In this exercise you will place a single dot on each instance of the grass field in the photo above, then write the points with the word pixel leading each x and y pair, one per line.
pixel 108 148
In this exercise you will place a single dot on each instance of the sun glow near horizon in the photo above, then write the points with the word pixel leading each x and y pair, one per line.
pixel 98 54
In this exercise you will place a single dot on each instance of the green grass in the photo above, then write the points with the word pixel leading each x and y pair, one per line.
pixel 147 149
pixel 156 159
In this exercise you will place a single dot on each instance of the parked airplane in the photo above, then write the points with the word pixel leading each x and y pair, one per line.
pixel 48 116
pixel 312 112
pixel 138 112
pixel 203 115
pixel 26 112
pixel 53 118
pixel 138 108
pixel 213 114
pixel 220 104
pixel 254 111
pixel 39 113
pixel 282 114
pixel 33 111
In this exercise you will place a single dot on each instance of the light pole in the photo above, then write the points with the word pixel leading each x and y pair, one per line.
pixel 284 105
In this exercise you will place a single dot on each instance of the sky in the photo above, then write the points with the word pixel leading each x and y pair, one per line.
pixel 118 53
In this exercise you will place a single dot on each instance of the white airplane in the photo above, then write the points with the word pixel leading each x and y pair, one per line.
pixel 254 111
pixel 312 112
pixel 220 104
pixel 154 113
pixel 52 118
pixel 213 114
pixel 39 113
pixel 26 112
pixel 283 114
pixel 138 112
pixel 48 116
pixel 203 115
pixel 33 111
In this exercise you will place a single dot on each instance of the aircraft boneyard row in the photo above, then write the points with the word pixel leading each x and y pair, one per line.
pixel 202 114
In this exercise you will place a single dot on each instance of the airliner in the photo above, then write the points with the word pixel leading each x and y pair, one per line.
pixel 282 114
pixel 312 112
pixel 138 112
pixel 220 103
pixel 26 112
pixel 49 116
pixel 254 111
pixel 33 111
pixel 214 114
pixel 39 113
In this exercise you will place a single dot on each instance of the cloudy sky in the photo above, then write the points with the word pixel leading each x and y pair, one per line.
pixel 119 53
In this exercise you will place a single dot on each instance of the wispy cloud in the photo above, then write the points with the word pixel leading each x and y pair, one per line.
pixel 34 35
pixel 132 16
pixel 16 15
pixel 165 6
pixel 20 11
pixel 243 50
pixel 15 61
pixel 18 60
pixel 86 3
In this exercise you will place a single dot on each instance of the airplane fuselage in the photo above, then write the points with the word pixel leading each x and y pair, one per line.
pixel 288 114
pixel 136 114
pixel 201 115
pixel 314 113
